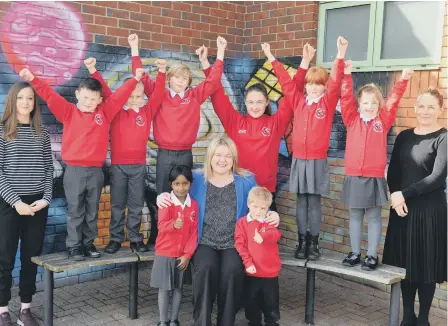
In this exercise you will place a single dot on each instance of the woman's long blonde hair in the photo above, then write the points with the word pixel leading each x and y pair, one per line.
pixel 211 149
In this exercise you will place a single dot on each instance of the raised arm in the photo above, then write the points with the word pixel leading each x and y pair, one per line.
pixel 90 64
pixel 388 112
pixel 348 102
pixel 147 82
pixel 436 179
pixel 307 57
pixel 290 90
pixel 333 91
pixel 213 80
pixel 155 101
pixel 59 106
pixel 241 244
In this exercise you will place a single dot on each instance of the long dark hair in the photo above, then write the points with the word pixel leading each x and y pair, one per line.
pixel 9 118
pixel 259 87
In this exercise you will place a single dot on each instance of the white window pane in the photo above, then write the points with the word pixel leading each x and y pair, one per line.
pixel 409 29
pixel 353 24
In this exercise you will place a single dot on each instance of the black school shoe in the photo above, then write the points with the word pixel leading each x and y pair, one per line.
pixel 139 246
pixel 163 323
pixel 112 247
pixel 352 259
pixel 370 263
pixel 75 253
pixel 91 251
pixel 302 248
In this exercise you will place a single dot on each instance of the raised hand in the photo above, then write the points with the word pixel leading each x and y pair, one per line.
pixel 90 64
pixel 202 53
pixel 133 40
pixel 139 73
pixel 308 52
pixel 342 44
pixel 179 222
pixel 348 67
pixel 407 73
pixel 257 238
pixel 221 43
pixel 28 76
pixel 161 65
pixel 251 269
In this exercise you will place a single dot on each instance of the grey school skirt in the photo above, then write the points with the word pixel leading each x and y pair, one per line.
pixel 166 276
pixel 363 192
pixel 309 177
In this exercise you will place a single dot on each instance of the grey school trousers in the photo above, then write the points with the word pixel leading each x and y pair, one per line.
pixel 82 186
pixel 166 160
pixel 127 189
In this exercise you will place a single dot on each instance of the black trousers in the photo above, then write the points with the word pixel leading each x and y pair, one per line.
pixel 216 273
pixel 30 230
pixel 273 206
pixel 263 297
pixel 166 160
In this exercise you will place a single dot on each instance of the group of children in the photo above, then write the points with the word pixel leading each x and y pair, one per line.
pixel 310 99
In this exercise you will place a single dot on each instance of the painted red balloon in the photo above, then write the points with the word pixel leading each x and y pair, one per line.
pixel 46 37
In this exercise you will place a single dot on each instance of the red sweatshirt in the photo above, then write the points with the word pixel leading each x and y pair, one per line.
pixel 176 125
pixel 257 139
pixel 85 135
pixel 366 147
pixel 129 132
pixel 172 242
pixel 312 123
pixel 264 256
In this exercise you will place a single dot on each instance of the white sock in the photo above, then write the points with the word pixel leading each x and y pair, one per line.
pixel 3 309
pixel 25 306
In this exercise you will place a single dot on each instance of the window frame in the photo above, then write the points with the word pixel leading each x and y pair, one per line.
pixel 374 61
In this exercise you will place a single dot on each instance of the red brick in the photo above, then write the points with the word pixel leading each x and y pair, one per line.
pixel 151 27
pixel 226 22
pixel 200 10
pixel 181 40
pixel 96 29
pixel 210 36
pixel 253 24
pixel 227 6
pixel 150 9
pixel 112 40
pixel 285 36
pixel 191 33
pixel 102 20
pixel 284 4
pixel 295 10
pixel 200 26
pixel 128 24
pixel 235 31
pixel 254 39
pixel 236 16
pixel 269 38
pixel 253 8
pixel 277 45
pixel 305 34
pixel 171 30
pixel 309 25
pixel 142 34
pixel 240 24
pixel 260 30
pixel 110 4
pixel 218 13
pixel 269 22
pixel 277 12
pixel 286 20
pixel 200 42
pixel 241 9
pixel 269 5
pixel 210 4
pixel 171 13
pixel 161 20
pixel 145 44
pixel 248 17
pixel 171 47
pixel 239 39
pixel 111 31
pixel 162 37
pixel 261 15
pixel 117 13
pixel 294 27
pixel 144 18
pixel 164 4
pixel 94 10
pixel 277 29
pixel 181 23
pixel 219 30
pixel 177 5
pixel 131 6
pixel 76 7
pixel 86 18
pixel 247 32
pixel 191 16
pixel 308 17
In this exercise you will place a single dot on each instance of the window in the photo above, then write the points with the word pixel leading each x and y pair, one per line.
pixel 382 36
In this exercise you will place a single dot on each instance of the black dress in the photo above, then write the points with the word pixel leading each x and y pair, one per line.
pixel 418 241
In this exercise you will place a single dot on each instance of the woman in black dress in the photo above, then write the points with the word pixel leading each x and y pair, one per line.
pixel 416 237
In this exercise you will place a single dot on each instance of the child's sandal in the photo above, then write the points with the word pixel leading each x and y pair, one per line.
pixel 352 259
pixel 370 263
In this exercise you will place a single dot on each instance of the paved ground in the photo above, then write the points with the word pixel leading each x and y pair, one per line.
pixel 104 302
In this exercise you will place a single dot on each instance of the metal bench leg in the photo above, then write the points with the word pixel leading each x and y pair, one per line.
pixel 394 314
pixel 48 297
pixel 133 290
pixel 310 287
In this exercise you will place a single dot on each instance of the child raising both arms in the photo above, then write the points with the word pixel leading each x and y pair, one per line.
pixel 175 244
pixel 368 119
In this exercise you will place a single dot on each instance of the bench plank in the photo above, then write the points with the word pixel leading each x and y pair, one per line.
pixel 146 256
pixel 59 262
pixel 289 260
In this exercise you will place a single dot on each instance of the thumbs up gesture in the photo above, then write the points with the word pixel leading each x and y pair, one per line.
pixel 179 221
pixel 258 239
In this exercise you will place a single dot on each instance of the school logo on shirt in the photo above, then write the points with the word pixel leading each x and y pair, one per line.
pixel 185 100
pixel 192 216
pixel 377 126
pixel 140 121
pixel 98 119
pixel 320 113
pixel 242 131
pixel 266 131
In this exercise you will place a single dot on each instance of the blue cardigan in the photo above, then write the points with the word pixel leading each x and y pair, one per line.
pixel 198 191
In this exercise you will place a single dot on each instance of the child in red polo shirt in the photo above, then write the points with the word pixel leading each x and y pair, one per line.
pixel 84 147
pixel 365 187
pixel 129 138
pixel 256 242
pixel 313 118
pixel 175 244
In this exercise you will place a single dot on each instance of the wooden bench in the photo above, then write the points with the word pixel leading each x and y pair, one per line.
pixel 332 262
pixel 59 262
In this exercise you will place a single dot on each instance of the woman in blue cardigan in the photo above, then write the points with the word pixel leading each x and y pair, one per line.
pixel 220 189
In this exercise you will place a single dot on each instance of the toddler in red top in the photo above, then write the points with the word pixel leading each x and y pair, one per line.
pixel 368 120
pixel 313 118
pixel 129 138
pixel 257 244
pixel 175 244
pixel 85 140
pixel 177 124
